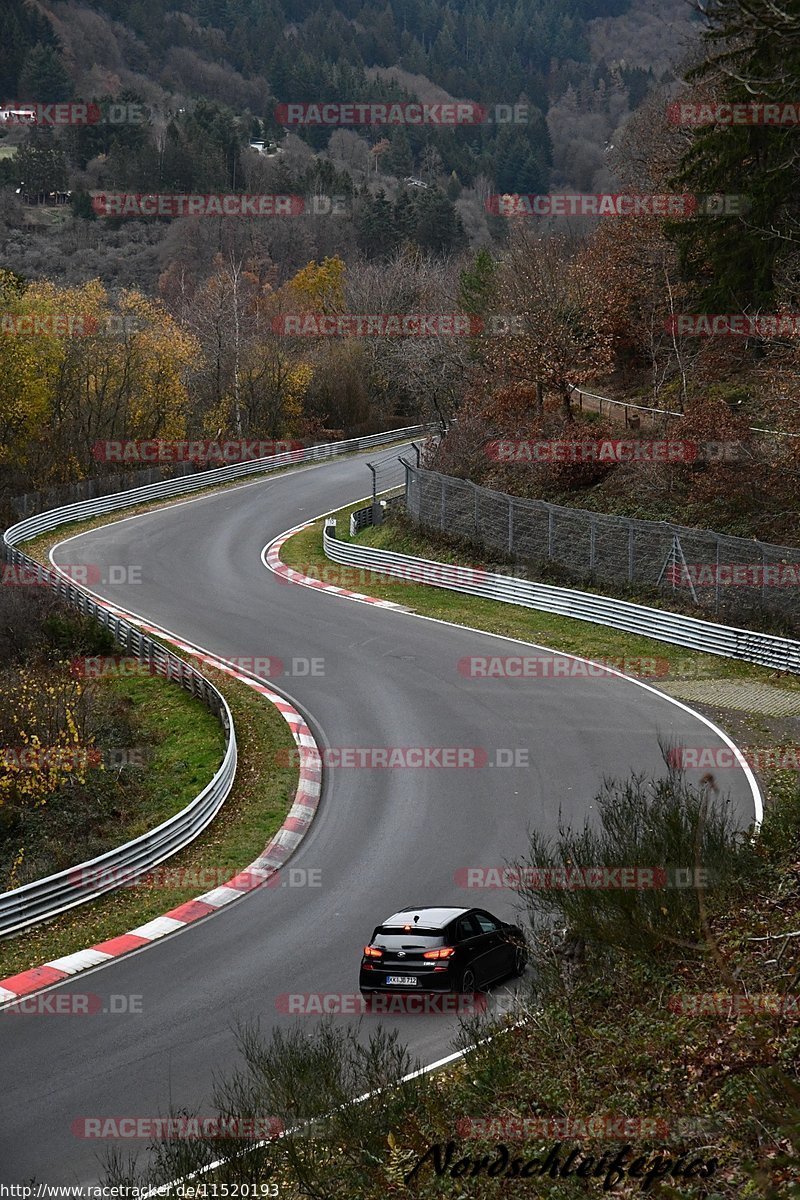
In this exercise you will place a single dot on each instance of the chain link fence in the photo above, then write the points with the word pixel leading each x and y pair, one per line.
pixel 729 576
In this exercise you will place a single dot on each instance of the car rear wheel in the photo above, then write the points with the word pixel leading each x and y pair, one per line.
pixel 468 982
pixel 520 961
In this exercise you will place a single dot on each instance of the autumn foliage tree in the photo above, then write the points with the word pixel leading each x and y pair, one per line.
pixel 559 304
pixel 77 368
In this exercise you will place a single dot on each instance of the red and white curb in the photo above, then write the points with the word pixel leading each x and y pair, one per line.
pixel 256 875
pixel 272 558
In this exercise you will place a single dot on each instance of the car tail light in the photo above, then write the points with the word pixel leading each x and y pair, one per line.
pixel 373 952
pixel 442 952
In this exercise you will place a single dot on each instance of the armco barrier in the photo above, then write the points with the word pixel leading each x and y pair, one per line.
pixel 778 653
pixel 42 523
pixel 45 898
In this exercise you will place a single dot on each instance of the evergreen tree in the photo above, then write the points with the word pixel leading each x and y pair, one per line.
pixel 43 78
pixel 399 160
pixel 753 56
pixel 438 227
pixel 453 186
pixel 476 290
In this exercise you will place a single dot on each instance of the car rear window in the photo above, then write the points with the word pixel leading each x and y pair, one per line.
pixel 392 938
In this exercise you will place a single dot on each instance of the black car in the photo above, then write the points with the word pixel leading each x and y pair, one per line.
pixel 430 949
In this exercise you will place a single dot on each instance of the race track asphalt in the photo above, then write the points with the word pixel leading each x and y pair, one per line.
pixel 381 838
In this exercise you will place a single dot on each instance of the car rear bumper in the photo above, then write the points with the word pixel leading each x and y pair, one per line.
pixel 427 981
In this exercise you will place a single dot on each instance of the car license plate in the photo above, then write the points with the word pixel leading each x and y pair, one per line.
pixel 402 980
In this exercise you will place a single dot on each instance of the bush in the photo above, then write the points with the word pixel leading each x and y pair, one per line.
pixel 685 834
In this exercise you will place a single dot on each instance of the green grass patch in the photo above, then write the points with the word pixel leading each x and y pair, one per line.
pixel 584 638
pixel 184 744
pixel 262 795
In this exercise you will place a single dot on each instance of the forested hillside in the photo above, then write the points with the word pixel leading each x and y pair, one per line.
pixel 209 75
pixel 181 315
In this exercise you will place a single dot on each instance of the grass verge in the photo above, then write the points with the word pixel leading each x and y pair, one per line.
pixel 262 795
pixel 303 551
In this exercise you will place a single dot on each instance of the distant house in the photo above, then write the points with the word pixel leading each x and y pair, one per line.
pixel 17 116
pixel 268 148
pixel 49 199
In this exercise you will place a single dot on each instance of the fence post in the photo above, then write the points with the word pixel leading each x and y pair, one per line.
pixel 592 526
pixel 630 553
pixel 716 582
pixel 377 511
pixel 550 533
pixel 510 524
pixel 407 466
pixel 476 510
pixel 441 504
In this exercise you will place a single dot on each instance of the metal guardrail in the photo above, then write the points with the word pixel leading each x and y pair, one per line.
pixel 660 412
pixel 363 518
pixel 764 649
pixel 42 523
pixel 45 898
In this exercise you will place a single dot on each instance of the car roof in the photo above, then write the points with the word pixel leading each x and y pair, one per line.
pixel 430 917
